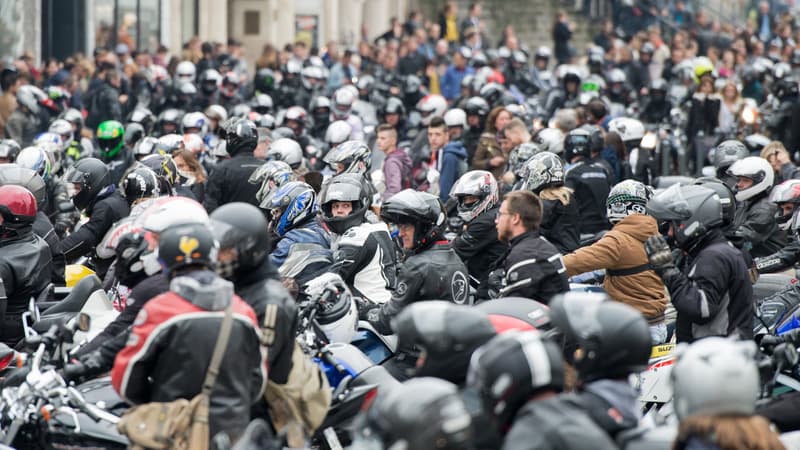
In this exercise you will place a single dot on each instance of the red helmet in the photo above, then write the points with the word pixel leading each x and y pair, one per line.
pixel 17 209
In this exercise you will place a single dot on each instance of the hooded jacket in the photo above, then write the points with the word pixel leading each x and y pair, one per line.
pixel 396 173
pixel 628 277
pixel 451 162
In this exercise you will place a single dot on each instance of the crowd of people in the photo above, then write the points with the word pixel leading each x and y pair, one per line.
pixel 432 163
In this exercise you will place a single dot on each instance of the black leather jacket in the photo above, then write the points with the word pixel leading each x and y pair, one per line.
pixel 25 269
pixel 479 248
pixel 433 274
pixel 228 182
pixel 591 186
pixel 105 210
pixel 755 223
pixel 783 259
pixel 561 224
pixel 44 229
pixel 533 269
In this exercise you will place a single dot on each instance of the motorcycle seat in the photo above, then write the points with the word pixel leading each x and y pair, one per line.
pixel 75 300
pixel 377 375
pixel 45 322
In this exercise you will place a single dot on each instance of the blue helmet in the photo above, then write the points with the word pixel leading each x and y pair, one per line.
pixel 291 205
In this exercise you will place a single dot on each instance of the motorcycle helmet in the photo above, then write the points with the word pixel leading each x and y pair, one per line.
pixel 30 96
pixel 715 376
pixel 657 91
pixel 786 193
pixel 365 85
pixel 166 212
pixel 544 170
pixel 510 369
pixel 337 133
pixel 337 315
pixel 230 84
pixel 271 175
pixel 216 112
pixel 36 159
pixel 756 169
pixel 425 211
pixel 169 143
pixel 446 334
pixel 262 104
pixel 551 140
pixel 209 81
pixel 185 71
pixel 63 129
pixel 52 144
pixel 577 143
pixel 295 119
pixel 240 111
pixel 132 263
pixel 243 228
pixel 240 136
pixel 194 122
pixel 345 187
pixel 492 93
pixel 727 153
pixel 110 138
pixel 139 184
pixel 13 174
pixel 631 131
pixel 90 176
pixel 692 210
pixel 756 142
pixel 477 106
pixel 543 52
pixel 74 117
pixel 455 117
pixel 168 121
pixel 626 198
pixel 520 155
pixel 286 150
pixel 165 169
pixel 596 139
pixel 726 195
pixel 264 80
pixel 145 118
pixel 134 133
pixel 186 245
pixel 146 146
pixel 482 187
pixel 292 205
pixel 393 106
pixel 193 143
pixel 420 414
pixel 9 149
pixel 342 103
pixel 431 106
pixel 17 209
pixel 320 110
pixel 350 157
pixel 613 338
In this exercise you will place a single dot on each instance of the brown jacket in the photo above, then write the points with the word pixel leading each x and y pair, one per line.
pixel 623 248
pixel 487 149
pixel 8 103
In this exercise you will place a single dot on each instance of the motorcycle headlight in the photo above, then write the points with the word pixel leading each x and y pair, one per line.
pixel 649 141
pixel 749 116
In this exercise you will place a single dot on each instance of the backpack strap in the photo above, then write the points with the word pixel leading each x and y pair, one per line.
pixel 268 329
pixel 629 271
pixel 219 350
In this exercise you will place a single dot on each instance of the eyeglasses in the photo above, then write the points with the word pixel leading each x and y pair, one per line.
pixel 501 213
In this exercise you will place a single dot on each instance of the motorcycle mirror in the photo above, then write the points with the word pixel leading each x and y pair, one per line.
pixel 32 342
pixel 84 322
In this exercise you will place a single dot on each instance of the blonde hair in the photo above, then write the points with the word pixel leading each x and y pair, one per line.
pixel 729 432
pixel 772 149
pixel 560 193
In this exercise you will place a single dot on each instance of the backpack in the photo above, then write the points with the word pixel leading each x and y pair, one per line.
pixel 298 407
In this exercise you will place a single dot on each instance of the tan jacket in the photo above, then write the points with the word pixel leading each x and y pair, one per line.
pixel 486 150
pixel 623 248
pixel 8 103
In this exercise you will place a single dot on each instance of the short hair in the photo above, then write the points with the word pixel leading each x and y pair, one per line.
pixel 387 128
pixel 566 119
pixel 597 109
pixel 516 124
pixel 437 122
pixel 528 206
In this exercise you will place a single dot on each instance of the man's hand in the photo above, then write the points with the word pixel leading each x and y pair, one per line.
pixel 659 254
pixel 497 161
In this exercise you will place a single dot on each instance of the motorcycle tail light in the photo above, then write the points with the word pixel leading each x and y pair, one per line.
pixel 369 398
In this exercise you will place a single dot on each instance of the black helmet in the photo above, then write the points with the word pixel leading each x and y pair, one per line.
pixel 27 178
pixel 596 139
pixel 512 367
pixel 240 136
pixel 727 153
pixel 477 106
pixel 446 333
pixel 129 267
pixel 726 197
pixel 93 176
pixel 577 143
pixel 140 183
pixel 143 117
pixel 262 104
pixel 613 338
pixel 394 106
pixel 692 210
pixel 425 211
pixel 346 187
pixel 320 110
pixel 186 245
pixel 420 414
pixel 492 93
pixel 165 169
pixel 241 226
pixel 134 132
pixel 9 149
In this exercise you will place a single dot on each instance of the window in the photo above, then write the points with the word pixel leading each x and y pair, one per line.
pixel 252 20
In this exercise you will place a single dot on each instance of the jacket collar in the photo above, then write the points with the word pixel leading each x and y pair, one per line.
pixel 532 234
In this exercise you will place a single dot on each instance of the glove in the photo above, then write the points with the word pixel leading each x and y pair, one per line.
pixel 364 307
pixel 89 366
pixel 495 282
pixel 659 254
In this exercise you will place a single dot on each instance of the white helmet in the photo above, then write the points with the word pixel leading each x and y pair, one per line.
pixel 338 315
pixel 185 71
pixel 193 143
pixel 756 169
pixel 338 132
pixel 715 376
pixel 62 128
pixel 195 120
pixel 625 198
pixel 455 117
pixel 286 150
pixel 342 103
pixel 216 112
pixel 432 105
pixel 54 146
pixel 551 140
pixel 168 211
pixel 629 130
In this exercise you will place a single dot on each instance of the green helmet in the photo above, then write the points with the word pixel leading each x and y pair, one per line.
pixel 111 138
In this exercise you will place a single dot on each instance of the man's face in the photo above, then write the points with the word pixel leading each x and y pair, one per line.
pixel 743 183
pixel 503 223
pixel 341 209
pixel 437 137
pixel 786 208
pixel 385 141
pixel 392 119
pixel 406 233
